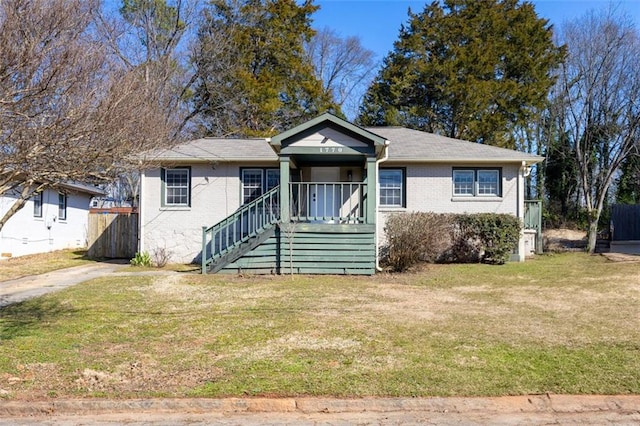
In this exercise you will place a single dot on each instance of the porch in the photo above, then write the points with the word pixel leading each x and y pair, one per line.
pixel 327 231
pixel 319 219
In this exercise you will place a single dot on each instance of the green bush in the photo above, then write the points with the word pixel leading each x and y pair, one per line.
pixel 141 259
pixel 430 237
pixel 496 234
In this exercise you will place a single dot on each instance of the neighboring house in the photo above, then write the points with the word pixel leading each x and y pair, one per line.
pixel 53 219
pixel 314 199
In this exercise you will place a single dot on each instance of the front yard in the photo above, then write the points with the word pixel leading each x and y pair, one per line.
pixel 566 323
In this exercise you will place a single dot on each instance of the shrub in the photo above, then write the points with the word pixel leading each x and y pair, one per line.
pixel 416 237
pixel 496 234
pixel 161 256
pixel 141 259
pixel 430 237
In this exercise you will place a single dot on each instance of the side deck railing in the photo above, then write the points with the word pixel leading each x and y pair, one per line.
pixel 246 222
pixel 329 202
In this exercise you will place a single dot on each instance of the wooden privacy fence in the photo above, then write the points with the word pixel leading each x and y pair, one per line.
pixel 625 222
pixel 113 235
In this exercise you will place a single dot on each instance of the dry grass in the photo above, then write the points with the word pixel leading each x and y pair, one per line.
pixel 16 267
pixel 564 323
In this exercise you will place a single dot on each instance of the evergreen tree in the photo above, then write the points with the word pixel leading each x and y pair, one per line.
pixel 561 182
pixel 628 184
pixel 465 69
pixel 253 77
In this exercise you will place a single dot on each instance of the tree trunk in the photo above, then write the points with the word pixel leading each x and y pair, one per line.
pixel 592 236
pixel 27 191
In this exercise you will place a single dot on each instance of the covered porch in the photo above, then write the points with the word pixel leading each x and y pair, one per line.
pixel 322 216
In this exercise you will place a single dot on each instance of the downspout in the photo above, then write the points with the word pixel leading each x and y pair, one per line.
pixel 523 173
pixel 140 212
pixel 384 158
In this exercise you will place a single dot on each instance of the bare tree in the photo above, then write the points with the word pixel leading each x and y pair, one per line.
pixel 68 113
pixel 151 36
pixel 597 99
pixel 345 67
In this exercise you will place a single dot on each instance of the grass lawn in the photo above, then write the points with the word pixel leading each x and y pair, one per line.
pixel 566 323
pixel 16 267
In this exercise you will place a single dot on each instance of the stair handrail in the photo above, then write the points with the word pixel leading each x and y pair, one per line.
pixel 266 212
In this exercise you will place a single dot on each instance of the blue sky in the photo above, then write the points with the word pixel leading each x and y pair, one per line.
pixel 377 22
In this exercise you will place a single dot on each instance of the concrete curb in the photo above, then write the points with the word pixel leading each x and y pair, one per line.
pixel 629 404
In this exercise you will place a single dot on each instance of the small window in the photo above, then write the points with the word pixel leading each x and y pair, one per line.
pixel 476 182
pixel 273 178
pixel 37 204
pixel 256 182
pixel 391 182
pixel 463 182
pixel 177 186
pixel 62 206
pixel 251 184
pixel 488 182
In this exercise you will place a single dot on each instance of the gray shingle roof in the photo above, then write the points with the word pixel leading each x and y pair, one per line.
pixel 219 149
pixel 408 145
pixel 405 145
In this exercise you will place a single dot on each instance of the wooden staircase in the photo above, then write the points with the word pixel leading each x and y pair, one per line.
pixel 247 228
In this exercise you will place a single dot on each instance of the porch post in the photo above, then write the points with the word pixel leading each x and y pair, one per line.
pixel 372 199
pixel 284 189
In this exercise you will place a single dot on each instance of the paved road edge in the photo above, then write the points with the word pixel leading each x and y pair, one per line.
pixel 509 404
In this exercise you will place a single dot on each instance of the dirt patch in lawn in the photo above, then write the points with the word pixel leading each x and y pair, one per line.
pixel 561 240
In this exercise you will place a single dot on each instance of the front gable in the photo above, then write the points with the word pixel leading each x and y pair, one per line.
pixel 328 135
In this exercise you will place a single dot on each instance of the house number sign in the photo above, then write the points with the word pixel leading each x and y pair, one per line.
pixel 326 149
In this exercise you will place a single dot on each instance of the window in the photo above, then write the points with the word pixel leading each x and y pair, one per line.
pixel 273 178
pixel 177 187
pixel 251 184
pixel 463 182
pixel 37 204
pixel 488 182
pixel 391 182
pixel 62 206
pixel 256 182
pixel 476 182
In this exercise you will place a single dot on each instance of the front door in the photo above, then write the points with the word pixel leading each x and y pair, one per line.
pixel 325 192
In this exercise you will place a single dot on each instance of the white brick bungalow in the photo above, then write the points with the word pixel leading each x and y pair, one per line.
pixel 53 219
pixel 314 199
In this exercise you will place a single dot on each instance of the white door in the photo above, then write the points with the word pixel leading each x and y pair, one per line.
pixel 325 192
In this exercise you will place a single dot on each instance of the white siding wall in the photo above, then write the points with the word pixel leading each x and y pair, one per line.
pixel 25 234
pixel 430 189
pixel 215 194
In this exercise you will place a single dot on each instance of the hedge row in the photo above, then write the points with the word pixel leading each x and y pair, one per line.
pixel 431 237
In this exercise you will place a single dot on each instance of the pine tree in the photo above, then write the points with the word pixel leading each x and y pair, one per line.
pixel 465 69
pixel 253 76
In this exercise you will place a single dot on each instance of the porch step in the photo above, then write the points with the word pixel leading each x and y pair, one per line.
pixel 242 249
pixel 312 249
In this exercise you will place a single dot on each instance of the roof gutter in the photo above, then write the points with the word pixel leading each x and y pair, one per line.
pixel 384 158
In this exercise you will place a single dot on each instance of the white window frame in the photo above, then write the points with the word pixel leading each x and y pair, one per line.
pixel 457 189
pixel 480 191
pixel 477 189
pixel 37 204
pixel 255 189
pixel 266 182
pixel 62 206
pixel 167 188
pixel 400 187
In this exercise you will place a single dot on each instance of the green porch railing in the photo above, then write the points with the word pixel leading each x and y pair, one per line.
pixel 246 222
pixel 533 220
pixel 329 202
